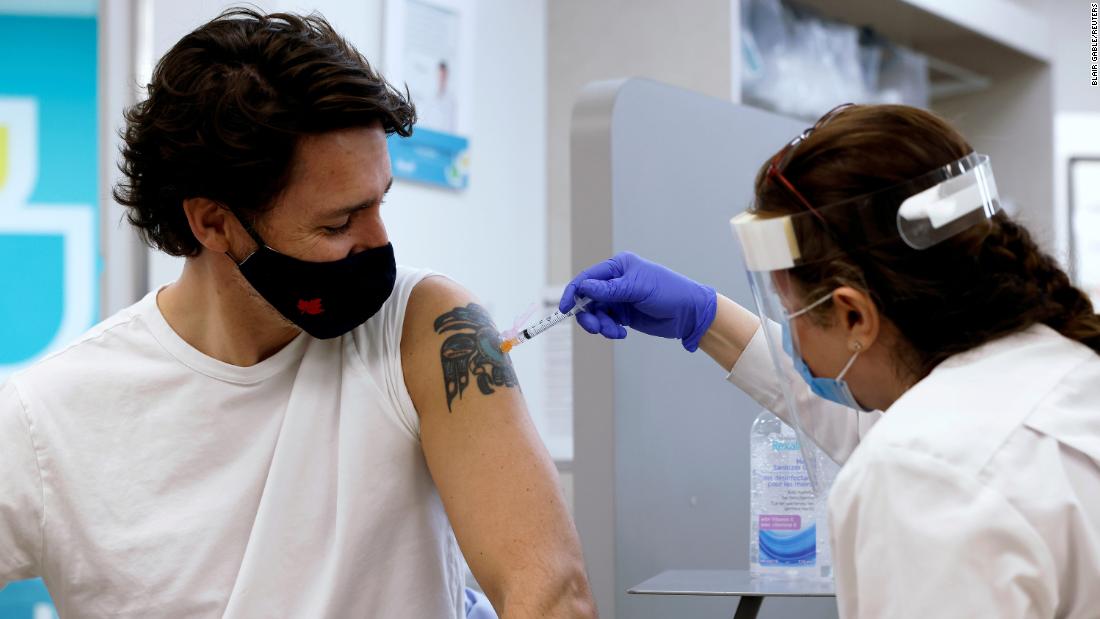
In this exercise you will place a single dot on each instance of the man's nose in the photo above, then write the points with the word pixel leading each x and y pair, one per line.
pixel 373 236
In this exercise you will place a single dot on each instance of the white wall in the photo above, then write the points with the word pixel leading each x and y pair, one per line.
pixel 686 44
pixel 1076 102
pixel 1073 91
pixel 489 237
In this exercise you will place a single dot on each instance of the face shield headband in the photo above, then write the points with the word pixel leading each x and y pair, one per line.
pixel 922 212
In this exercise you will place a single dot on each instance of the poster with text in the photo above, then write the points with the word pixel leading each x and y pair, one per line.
pixel 428 50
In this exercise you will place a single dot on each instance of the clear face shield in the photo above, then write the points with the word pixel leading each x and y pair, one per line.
pixel 922 212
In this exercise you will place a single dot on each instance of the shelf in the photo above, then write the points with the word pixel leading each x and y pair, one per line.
pixel 1009 23
pixel 989 37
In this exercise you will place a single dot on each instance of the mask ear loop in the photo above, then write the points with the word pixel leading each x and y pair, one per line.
pixel 857 347
pixel 255 236
pixel 810 306
pixel 851 360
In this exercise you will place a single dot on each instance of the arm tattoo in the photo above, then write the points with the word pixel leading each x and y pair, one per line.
pixel 474 350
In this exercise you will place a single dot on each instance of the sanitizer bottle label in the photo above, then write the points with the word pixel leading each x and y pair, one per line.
pixel 783 501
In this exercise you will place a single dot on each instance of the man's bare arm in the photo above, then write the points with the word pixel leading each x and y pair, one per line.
pixel 498 483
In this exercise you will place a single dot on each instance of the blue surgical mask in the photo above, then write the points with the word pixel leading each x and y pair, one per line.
pixel 832 389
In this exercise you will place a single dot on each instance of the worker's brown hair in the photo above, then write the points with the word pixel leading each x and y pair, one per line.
pixel 225 111
pixel 987 282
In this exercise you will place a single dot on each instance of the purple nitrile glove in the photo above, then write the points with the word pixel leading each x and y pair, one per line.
pixel 629 291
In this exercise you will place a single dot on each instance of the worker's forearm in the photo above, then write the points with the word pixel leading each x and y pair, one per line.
pixel 729 334
pixel 566 596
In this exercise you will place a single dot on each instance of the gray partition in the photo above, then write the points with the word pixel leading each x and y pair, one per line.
pixel 661 440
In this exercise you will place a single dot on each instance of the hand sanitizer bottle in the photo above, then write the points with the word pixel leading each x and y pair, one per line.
pixel 785 511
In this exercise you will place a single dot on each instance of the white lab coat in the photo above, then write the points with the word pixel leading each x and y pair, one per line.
pixel 977 494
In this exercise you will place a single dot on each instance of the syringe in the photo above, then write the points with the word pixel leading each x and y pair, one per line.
pixel 542 325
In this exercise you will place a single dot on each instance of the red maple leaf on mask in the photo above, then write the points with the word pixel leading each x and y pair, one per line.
pixel 311 307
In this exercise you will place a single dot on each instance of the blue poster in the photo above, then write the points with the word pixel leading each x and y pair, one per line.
pixel 431 157
pixel 48 212
pixel 48 184
pixel 26 599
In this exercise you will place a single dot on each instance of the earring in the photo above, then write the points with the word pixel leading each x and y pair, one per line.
pixel 855 347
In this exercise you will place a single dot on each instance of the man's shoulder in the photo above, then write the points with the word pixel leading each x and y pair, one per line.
pixel 435 291
pixel 436 306
pixel 414 289
pixel 417 293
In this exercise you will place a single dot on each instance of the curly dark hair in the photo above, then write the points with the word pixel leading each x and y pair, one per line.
pixel 973 288
pixel 226 108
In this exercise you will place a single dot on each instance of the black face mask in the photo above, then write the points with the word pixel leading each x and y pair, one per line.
pixel 325 299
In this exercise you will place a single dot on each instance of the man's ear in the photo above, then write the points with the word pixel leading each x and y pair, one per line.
pixel 213 225
pixel 857 314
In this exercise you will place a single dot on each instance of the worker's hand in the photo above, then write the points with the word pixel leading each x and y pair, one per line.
pixel 629 291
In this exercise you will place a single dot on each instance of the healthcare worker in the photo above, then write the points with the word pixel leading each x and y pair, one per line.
pixel 887 279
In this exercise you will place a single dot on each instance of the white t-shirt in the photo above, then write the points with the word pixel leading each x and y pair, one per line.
pixel 142 478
